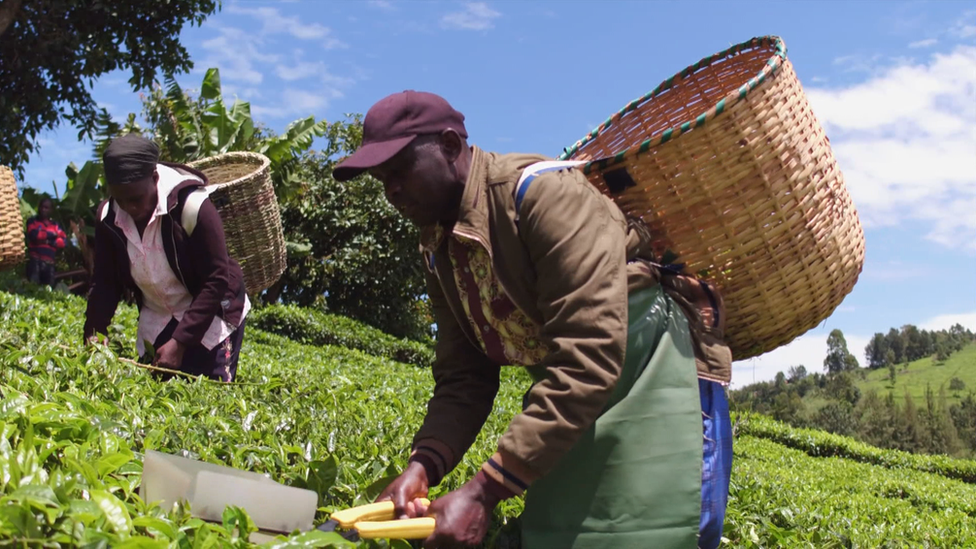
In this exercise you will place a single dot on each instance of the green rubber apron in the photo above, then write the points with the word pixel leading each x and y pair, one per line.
pixel 634 478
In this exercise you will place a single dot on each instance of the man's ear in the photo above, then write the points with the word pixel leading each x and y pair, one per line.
pixel 155 176
pixel 452 144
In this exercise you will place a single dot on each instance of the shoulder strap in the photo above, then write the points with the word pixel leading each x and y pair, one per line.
pixel 191 208
pixel 530 173
pixel 103 212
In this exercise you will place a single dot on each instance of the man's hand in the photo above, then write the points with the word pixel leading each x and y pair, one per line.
pixel 462 516
pixel 170 355
pixel 411 484
pixel 94 339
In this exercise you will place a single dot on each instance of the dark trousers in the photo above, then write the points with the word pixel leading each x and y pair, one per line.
pixel 40 272
pixel 219 363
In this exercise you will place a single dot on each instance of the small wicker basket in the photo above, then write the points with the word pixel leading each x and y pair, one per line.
pixel 12 243
pixel 241 190
pixel 727 165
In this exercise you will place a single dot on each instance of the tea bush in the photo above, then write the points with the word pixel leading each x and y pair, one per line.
pixel 317 328
pixel 75 422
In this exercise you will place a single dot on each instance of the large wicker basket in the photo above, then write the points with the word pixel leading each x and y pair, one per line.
pixel 11 223
pixel 727 165
pixel 240 188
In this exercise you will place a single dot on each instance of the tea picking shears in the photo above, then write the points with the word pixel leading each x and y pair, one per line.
pixel 376 520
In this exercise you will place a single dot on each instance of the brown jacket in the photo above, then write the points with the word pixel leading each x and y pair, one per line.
pixel 568 264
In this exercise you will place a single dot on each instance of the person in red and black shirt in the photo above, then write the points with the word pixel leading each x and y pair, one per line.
pixel 44 238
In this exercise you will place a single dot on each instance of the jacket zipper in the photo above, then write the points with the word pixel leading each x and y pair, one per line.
pixel 176 256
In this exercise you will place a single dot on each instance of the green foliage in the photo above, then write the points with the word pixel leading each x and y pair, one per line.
pixel 317 328
pixel 838 359
pixel 956 384
pixel 796 373
pixel 54 49
pixel 75 422
pixel 188 129
pixel 821 444
pixel 910 344
pixel 783 497
pixel 357 250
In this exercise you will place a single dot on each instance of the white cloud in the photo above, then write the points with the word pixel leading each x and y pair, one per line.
pixel 298 103
pixel 808 350
pixel 858 63
pixel 235 53
pixel 928 42
pixel 965 27
pixel 382 5
pixel 300 71
pixel 476 16
pixel 905 141
pixel 273 22
pixel 944 322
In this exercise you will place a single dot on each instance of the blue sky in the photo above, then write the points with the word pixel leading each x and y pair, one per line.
pixel 894 84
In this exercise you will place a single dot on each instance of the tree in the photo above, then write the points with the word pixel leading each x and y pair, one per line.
pixel 788 407
pixel 837 417
pixel 914 343
pixel 52 50
pixel 796 373
pixel 943 437
pixel 876 352
pixel 360 253
pixel 877 420
pixel 779 381
pixel 838 359
pixel 956 384
pixel 841 387
pixel 964 418
pixel 892 372
pixel 897 345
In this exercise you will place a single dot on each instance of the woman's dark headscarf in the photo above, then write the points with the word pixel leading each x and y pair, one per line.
pixel 129 158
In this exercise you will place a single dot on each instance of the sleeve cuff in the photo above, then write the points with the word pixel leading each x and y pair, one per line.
pixel 509 471
pixel 436 457
pixel 494 488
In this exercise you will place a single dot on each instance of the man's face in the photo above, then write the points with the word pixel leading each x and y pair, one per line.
pixel 138 199
pixel 44 210
pixel 421 181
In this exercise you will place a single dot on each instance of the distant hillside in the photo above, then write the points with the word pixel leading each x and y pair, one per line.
pixel 914 377
pixel 930 407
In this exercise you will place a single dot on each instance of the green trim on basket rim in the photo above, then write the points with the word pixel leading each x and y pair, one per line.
pixel 772 64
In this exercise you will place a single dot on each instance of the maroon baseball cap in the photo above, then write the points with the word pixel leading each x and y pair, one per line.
pixel 392 123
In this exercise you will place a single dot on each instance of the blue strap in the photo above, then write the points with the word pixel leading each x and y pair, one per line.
pixel 530 173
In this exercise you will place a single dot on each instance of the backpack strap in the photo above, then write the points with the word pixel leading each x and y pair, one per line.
pixel 191 209
pixel 530 173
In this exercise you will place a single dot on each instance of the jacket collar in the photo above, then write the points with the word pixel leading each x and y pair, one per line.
pixel 472 223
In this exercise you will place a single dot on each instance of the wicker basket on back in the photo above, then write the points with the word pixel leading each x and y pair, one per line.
pixel 241 190
pixel 727 165
pixel 11 224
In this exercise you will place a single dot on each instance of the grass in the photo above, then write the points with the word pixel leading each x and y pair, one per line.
pixel 914 377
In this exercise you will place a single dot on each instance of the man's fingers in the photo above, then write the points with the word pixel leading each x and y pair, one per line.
pixel 409 511
pixel 421 509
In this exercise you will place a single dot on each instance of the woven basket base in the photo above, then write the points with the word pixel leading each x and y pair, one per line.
pixel 12 244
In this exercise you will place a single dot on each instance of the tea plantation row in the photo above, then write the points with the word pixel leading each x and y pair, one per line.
pixel 75 421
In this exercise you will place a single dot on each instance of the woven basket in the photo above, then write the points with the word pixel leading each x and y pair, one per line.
pixel 11 223
pixel 241 190
pixel 727 165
